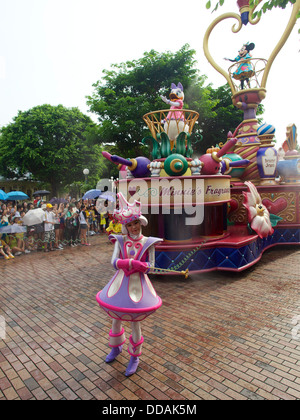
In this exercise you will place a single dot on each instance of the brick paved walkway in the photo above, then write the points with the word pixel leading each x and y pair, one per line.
pixel 217 335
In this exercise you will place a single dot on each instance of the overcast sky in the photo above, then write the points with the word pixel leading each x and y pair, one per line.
pixel 52 51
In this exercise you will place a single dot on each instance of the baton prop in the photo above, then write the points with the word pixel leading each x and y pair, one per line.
pixel 184 273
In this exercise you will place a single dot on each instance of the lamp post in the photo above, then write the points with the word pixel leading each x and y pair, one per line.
pixel 111 181
pixel 85 173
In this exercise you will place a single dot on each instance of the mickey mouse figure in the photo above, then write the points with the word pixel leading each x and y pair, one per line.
pixel 245 69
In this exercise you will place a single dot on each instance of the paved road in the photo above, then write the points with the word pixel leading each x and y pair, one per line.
pixel 217 336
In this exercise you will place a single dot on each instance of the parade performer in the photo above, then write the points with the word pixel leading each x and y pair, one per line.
pixel 175 122
pixel 176 102
pixel 245 70
pixel 129 295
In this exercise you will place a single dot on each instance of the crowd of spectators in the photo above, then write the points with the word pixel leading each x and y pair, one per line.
pixel 65 223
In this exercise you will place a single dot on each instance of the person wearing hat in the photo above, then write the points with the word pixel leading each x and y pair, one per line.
pixel 49 221
pixel 129 295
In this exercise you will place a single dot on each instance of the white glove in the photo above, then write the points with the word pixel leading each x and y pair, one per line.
pixel 167 101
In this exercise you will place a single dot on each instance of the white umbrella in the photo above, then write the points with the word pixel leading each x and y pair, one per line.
pixel 33 217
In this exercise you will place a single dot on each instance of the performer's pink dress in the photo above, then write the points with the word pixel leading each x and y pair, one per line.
pixel 133 297
pixel 176 115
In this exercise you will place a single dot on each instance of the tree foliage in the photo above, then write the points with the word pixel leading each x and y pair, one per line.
pixel 52 143
pixel 266 6
pixel 130 90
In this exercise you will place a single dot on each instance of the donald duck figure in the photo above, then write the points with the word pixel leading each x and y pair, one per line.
pixel 129 295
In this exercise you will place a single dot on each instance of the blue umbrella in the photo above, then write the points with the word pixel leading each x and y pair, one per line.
pixel 3 195
pixel 92 194
pixel 17 195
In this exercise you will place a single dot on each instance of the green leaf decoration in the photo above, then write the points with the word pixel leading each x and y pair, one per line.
pixel 165 147
pixel 274 219
pixel 155 147
pixel 189 149
pixel 199 138
pixel 180 143
pixel 250 230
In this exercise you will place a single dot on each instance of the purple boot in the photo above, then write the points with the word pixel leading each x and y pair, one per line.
pixel 116 341
pixel 135 350
pixel 132 366
pixel 115 351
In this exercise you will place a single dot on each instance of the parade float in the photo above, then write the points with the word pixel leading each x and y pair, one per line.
pixel 221 210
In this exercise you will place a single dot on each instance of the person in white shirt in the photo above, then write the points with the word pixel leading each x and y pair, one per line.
pixel 49 221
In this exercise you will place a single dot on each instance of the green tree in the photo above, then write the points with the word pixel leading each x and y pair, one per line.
pixel 53 144
pixel 266 6
pixel 132 89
